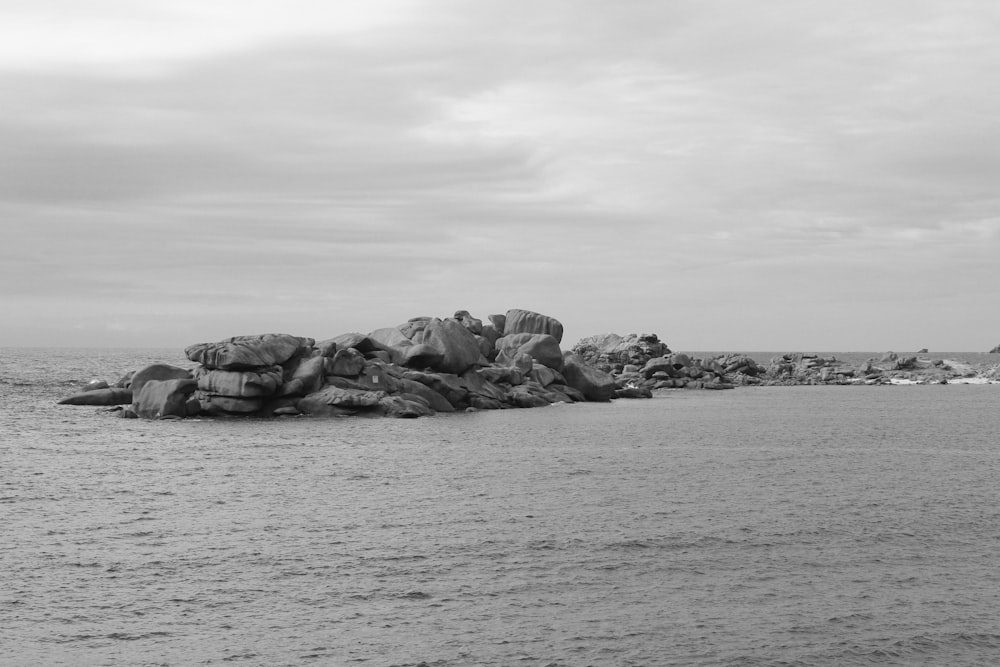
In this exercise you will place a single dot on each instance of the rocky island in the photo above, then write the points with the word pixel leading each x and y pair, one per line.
pixel 428 365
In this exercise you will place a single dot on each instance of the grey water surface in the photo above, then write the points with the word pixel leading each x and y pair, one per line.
pixel 759 526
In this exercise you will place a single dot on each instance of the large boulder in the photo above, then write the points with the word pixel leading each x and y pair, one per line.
pixel 458 346
pixel 156 372
pixel 543 348
pixel 240 384
pixel 160 399
pixel 306 378
pixel 593 383
pixel 242 353
pixel 525 321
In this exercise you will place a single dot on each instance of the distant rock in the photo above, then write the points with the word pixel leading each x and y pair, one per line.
pixel 428 365
pixel 612 353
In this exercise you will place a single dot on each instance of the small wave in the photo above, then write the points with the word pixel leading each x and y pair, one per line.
pixel 947 648
pixel 415 595
pixel 130 637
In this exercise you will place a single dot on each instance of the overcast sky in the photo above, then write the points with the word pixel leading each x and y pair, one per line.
pixel 789 175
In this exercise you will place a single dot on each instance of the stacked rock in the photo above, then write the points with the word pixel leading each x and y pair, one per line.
pixel 238 375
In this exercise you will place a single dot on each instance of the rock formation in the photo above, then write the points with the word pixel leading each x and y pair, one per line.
pixel 427 365
pixel 423 366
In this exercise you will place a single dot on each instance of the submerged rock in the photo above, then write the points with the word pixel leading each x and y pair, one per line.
pixel 105 396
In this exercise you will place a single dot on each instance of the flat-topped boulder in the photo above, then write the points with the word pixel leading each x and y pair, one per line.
pixel 525 321
pixel 243 353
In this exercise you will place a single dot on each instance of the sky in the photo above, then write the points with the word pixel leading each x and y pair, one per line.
pixel 789 175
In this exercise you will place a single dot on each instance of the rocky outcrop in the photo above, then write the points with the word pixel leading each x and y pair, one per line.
pixel 423 366
pixel 643 363
pixel 428 365
pixel 612 353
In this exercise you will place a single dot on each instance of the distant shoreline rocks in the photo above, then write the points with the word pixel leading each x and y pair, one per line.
pixel 428 365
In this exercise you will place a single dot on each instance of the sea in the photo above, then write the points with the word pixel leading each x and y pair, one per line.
pixel 814 525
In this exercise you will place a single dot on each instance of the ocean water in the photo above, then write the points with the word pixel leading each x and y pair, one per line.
pixel 760 526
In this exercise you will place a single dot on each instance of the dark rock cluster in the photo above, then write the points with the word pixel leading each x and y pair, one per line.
pixel 643 363
pixel 428 365
pixel 423 366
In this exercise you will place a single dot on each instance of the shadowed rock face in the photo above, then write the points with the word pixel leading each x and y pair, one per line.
pixel 161 399
pixel 593 383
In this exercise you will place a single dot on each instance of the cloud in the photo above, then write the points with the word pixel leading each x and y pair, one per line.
pixel 643 166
